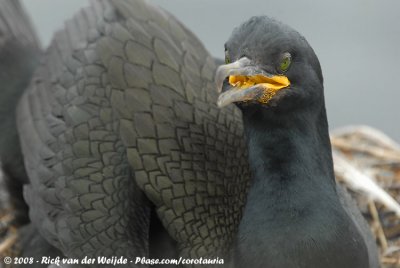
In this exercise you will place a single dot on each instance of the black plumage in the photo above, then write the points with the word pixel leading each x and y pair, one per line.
pixel 120 123
pixel 293 216
pixel 128 154
pixel 19 55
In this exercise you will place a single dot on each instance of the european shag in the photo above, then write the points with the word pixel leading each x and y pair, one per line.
pixel 128 154
pixel 293 216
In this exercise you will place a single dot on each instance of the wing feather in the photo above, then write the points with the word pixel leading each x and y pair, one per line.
pixel 122 111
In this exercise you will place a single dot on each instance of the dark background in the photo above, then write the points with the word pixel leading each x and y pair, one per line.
pixel 357 41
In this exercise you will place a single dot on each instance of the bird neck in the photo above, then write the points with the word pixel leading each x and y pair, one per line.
pixel 292 150
pixel 293 195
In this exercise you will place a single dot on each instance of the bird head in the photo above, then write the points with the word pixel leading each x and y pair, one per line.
pixel 268 65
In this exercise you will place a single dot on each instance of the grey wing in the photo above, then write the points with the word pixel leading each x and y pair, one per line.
pixel 188 156
pixel 15 25
pixel 131 110
pixel 19 53
pixel 81 195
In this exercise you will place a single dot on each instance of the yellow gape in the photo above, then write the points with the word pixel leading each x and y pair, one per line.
pixel 271 85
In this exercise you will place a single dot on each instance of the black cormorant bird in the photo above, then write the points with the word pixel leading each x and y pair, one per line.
pixel 127 152
pixel 293 215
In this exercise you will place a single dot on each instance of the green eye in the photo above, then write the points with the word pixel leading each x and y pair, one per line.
pixel 227 58
pixel 285 62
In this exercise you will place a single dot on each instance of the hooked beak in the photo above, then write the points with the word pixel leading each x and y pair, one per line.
pixel 247 82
